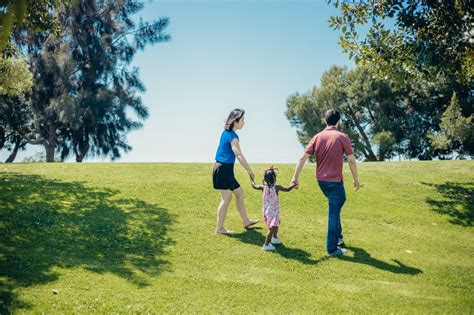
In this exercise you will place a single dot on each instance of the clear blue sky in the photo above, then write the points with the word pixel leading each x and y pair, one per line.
pixel 223 55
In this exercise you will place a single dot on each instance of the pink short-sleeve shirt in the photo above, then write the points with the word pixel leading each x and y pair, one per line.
pixel 328 148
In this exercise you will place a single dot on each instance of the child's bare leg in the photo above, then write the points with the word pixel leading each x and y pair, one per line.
pixel 270 233
pixel 275 234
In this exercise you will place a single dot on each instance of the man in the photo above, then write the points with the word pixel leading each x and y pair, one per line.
pixel 328 148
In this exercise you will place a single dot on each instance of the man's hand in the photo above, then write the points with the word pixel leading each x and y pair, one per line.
pixel 353 166
pixel 356 185
pixel 298 168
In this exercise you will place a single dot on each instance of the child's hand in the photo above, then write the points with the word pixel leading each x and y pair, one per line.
pixel 255 186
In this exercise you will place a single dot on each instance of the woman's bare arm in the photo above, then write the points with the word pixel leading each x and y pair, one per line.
pixel 238 153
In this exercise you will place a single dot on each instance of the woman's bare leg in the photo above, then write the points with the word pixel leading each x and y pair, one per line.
pixel 226 197
pixel 239 199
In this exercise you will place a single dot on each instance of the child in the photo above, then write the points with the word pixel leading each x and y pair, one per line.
pixel 271 206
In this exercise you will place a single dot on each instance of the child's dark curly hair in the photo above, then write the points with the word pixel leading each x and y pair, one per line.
pixel 269 177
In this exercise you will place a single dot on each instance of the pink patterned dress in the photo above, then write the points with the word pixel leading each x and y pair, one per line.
pixel 271 207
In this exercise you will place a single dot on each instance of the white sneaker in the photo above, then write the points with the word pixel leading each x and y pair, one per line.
pixel 340 242
pixel 268 247
pixel 338 252
pixel 275 240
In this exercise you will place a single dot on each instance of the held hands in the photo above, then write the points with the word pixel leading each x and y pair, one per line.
pixel 295 182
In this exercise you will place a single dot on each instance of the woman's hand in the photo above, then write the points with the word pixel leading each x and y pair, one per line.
pixel 252 175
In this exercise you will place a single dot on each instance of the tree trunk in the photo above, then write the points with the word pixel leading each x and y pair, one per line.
pixel 366 155
pixel 50 144
pixel 12 156
pixel 49 153
pixel 368 145
pixel 2 137
pixel 83 152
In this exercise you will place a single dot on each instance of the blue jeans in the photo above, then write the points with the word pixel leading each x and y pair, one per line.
pixel 336 195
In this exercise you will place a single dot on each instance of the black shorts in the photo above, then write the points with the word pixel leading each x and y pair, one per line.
pixel 223 177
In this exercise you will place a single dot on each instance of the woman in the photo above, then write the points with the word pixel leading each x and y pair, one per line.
pixel 223 174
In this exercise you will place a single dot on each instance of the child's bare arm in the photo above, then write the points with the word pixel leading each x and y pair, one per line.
pixel 289 188
pixel 257 187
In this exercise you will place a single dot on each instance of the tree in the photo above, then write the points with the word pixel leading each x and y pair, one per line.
pixel 388 116
pixel 15 77
pixel 37 15
pixel 427 37
pixel 15 118
pixel 301 106
pixel 84 86
pixel 32 16
pixel 385 142
pixel 456 132
pixel 11 12
pixel 15 82
pixel 305 111
pixel 421 40
pixel 104 90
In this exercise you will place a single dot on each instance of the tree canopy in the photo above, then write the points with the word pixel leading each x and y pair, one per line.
pixel 84 88
pixel 383 117
pixel 414 56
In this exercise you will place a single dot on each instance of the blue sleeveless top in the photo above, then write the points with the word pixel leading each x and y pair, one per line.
pixel 224 152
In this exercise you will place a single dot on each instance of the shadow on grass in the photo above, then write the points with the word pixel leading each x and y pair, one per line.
pixel 255 237
pixel 363 257
pixel 456 200
pixel 47 223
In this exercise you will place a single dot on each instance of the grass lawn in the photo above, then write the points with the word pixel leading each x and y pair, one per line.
pixel 83 238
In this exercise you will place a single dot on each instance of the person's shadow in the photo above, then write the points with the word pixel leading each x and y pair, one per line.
pixel 361 256
pixel 255 237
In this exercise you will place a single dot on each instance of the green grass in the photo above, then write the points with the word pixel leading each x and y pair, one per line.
pixel 139 237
